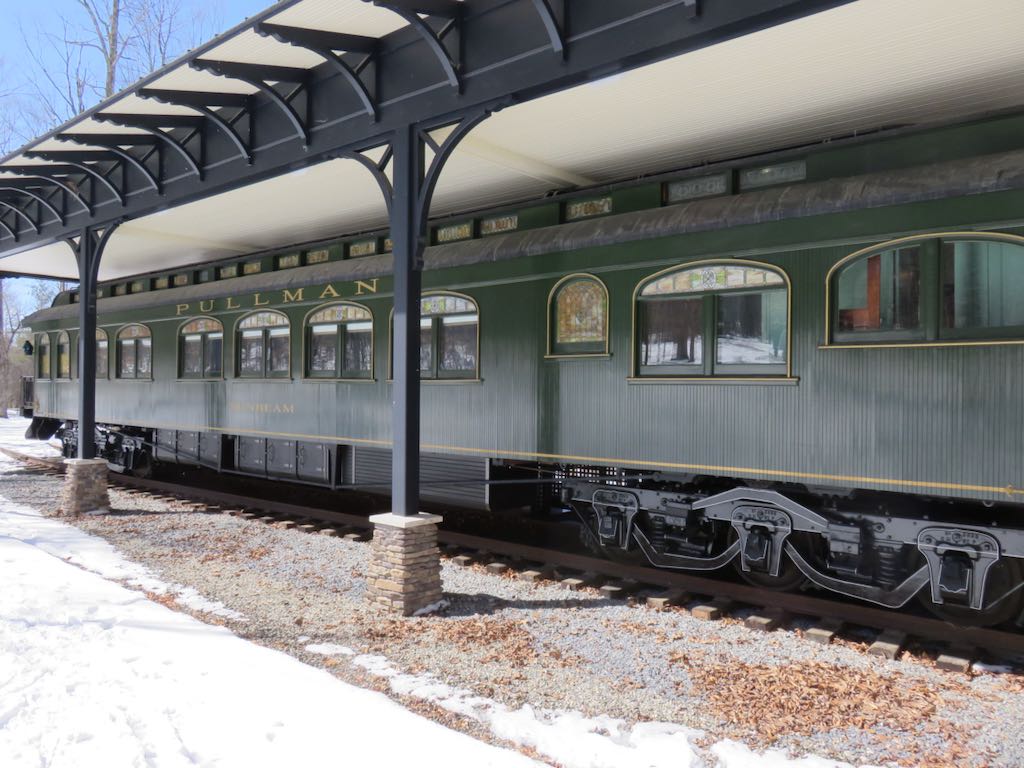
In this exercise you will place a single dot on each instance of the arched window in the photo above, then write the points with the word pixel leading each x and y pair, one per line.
pixel 959 287
pixel 63 355
pixel 102 356
pixel 264 345
pixel 339 342
pixel 43 356
pixel 713 319
pixel 449 337
pixel 201 349
pixel 134 353
pixel 578 317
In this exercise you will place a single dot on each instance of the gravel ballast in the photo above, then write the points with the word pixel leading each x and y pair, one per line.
pixel 545 646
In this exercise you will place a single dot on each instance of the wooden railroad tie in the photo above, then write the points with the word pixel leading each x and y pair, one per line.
pixel 712 611
pixel 889 644
pixel 497 568
pixel 957 659
pixel 824 632
pixel 768 621
pixel 540 573
pixel 671 597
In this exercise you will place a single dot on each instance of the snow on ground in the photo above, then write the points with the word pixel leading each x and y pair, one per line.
pixel 95 674
pixel 92 673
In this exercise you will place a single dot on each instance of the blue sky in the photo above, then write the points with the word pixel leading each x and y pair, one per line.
pixel 47 14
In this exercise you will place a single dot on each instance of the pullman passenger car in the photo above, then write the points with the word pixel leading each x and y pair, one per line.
pixel 807 365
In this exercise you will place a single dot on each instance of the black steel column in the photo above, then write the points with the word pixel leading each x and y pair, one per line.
pixel 406 225
pixel 89 253
pixel 88 267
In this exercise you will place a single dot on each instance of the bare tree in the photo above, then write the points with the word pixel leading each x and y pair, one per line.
pixel 16 306
pixel 110 44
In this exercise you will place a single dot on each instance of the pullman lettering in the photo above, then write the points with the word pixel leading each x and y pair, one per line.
pixel 285 296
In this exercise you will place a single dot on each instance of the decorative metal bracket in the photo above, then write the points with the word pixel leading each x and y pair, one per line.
pixel 260 76
pixel 153 125
pixel 42 201
pixel 64 169
pixel 452 11
pixel 202 102
pixel 114 153
pixel 326 44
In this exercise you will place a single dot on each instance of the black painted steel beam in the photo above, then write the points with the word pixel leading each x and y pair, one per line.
pixel 110 139
pixel 10 232
pixel 196 98
pixel 319 39
pixel 446 9
pixel 266 73
pixel 151 121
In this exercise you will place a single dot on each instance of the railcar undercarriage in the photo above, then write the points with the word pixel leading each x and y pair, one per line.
pixel 962 561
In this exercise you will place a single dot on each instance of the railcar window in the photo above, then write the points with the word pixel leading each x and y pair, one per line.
pixel 264 345
pixel 134 353
pixel 43 352
pixel 578 317
pixel 881 292
pixel 955 288
pixel 201 349
pixel 63 355
pixel 449 337
pixel 715 319
pixel 982 285
pixel 339 342
pixel 102 359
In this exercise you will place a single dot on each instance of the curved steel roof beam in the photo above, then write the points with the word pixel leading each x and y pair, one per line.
pixel 258 76
pixel 22 214
pixel 108 152
pixel 409 10
pixel 202 103
pixel 325 44
pixel 39 199
pixel 152 125
pixel 552 15
pixel 37 180
pixel 63 169
pixel 10 231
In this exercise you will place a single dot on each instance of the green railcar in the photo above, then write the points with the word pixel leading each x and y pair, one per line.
pixel 807 365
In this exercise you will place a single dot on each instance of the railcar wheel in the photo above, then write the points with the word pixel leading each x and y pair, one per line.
pixel 1002 577
pixel 789 578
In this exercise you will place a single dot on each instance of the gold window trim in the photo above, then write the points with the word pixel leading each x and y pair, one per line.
pixel 895 243
pixel 634 369
pixel 550 354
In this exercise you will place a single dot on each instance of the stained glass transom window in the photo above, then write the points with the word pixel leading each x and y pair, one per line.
pixel 580 317
pixel 713 277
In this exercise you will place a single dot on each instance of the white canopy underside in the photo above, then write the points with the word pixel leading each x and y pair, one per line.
pixel 861 66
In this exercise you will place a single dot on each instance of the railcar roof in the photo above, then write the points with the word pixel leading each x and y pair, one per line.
pixel 854 67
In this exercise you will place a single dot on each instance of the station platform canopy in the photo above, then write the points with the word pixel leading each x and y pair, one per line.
pixel 275 133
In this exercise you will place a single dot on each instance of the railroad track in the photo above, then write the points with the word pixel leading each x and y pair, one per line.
pixel 704 597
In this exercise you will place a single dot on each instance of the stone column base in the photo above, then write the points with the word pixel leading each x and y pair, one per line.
pixel 405 570
pixel 85 487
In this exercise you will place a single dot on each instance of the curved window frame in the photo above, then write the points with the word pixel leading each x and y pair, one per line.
pixel 104 373
pixel 43 343
pixel 62 374
pixel 553 352
pixel 710 374
pixel 119 350
pixel 931 332
pixel 266 374
pixel 342 374
pixel 204 375
pixel 447 377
